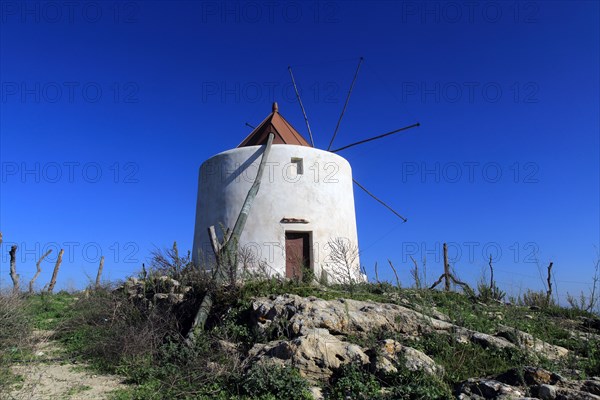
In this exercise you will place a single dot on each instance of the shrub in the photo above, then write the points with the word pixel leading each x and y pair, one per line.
pixel 14 325
pixel 275 381
pixel 14 335
pixel 107 327
pixel 532 298
pixel 354 383
pixel 465 360
pixel 589 358
pixel 407 384
pixel 488 294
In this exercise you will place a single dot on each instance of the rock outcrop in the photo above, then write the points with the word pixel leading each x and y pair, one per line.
pixel 530 382
pixel 316 353
pixel 317 333
pixel 155 290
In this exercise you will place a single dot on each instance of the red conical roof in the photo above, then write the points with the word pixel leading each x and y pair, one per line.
pixel 283 130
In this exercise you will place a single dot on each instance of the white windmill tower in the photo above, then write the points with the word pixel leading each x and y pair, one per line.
pixel 305 202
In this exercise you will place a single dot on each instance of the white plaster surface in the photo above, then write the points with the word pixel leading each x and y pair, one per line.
pixel 322 195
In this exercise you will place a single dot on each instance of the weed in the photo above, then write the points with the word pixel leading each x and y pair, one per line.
pixel 355 383
pixel 77 389
pixel 465 360
pixel 407 384
pixel 47 309
pixel 279 382
pixel 532 298
pixel 488 294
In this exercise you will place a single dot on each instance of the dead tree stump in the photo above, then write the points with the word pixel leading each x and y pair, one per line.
pixel 99 275
pixel 549 292
pixel 13 268
pixel 447 276
pixel 55 272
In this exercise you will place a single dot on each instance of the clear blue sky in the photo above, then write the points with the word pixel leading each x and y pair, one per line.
pixel 109 108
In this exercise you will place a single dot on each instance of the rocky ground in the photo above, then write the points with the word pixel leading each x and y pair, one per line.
pixel 318 336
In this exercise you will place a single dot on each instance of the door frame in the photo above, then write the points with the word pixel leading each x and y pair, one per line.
pixel 309 235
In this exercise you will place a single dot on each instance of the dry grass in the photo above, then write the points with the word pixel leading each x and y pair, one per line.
pixel 15 340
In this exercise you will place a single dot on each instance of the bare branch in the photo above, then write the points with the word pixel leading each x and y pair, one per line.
pixel 395 273
pixel 438 281
pixel 491 274
pixel 415 273
pixel 38 270
pixel 342 260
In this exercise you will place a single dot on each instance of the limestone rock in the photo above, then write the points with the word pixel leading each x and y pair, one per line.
pixel 162 288
pixel 340 316
pixel 547 392
pixel 532 344
pixel 391 354
pixel 316 354
pixel 539 382
pixel 316 393
pixel 489 389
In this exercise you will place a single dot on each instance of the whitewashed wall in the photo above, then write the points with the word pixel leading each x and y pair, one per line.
pixel 322 195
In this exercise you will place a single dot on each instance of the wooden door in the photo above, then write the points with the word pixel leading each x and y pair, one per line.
pixel 297 254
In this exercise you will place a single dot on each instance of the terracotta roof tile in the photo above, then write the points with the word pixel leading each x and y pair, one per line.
pixel 283 130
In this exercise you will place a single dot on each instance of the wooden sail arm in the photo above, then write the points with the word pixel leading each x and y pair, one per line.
pixel 337 127
pixel 376 137
pixel 379 200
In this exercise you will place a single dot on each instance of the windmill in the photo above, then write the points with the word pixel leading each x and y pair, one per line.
pixel 305 207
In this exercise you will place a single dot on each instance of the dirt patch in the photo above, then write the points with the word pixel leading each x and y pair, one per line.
pixel 46 376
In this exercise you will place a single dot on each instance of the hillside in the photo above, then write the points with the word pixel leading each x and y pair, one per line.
pixel 274 339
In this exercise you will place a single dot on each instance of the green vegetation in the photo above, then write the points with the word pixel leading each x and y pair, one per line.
pixel 352 382
pixel 274 382
pixel 461 359
pixel 47 310
pixel 142 339
pixel 77 389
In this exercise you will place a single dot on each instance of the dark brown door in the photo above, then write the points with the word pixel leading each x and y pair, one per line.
pixel 297 253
